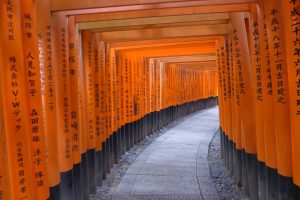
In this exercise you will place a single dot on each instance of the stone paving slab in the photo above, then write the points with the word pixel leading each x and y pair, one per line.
pixel 175 166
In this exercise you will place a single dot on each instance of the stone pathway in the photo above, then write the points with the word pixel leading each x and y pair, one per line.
pixel 175 165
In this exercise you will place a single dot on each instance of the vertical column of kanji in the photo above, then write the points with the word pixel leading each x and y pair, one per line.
pixel 107 111
pixel 138 87
pixel 257 73
pixel 125 91
pixel 223 98
pixel 151 92
pixel 121 82
pixel 220 86
pixel 117 72
pixel 129 106
pixel 74 70
pixel 135 87
pixel 110 99
pixel 136 90
pixel 236 109
pixel 226 77
pixel 114 88
pixel 97 91
pixel 83 123
pixel 154 93
pixel 4 178
pixel 34 96
pixel 98 109
pixel 232 99
pixel 240 135
pixel 17 135
pixel 160 84
pixel 45 42
pixel 64 136
pixel 228 66
pixel 124 78
pixel 147 88
pixel 102 104
pixel 291 16
pixel 247 101
pixel 145 113
pixel 279 71
pixel 269 128
pixel 132 98
pixel 156 89
pixel 220 55
pixel 224 87
pixel 129 102
pixel 89 85
pixel 142 95
pixel 165 88
pixel 164 82
pixel 120 93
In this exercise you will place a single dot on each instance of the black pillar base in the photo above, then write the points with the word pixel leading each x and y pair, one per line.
pixel 262 180
pixel 66 185
pixel 252 166
pixel 285 188
pixel 99 168
pixel 91 156
pixel 55 192
pixel 78 194
pixel 84 176
pixel 272 184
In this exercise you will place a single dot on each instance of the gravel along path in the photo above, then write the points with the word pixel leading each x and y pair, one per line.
pixel 224 182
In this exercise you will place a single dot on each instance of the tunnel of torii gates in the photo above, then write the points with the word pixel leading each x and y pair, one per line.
pixel 83 81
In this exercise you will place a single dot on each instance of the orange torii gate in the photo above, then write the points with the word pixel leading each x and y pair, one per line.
pixel 83 81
